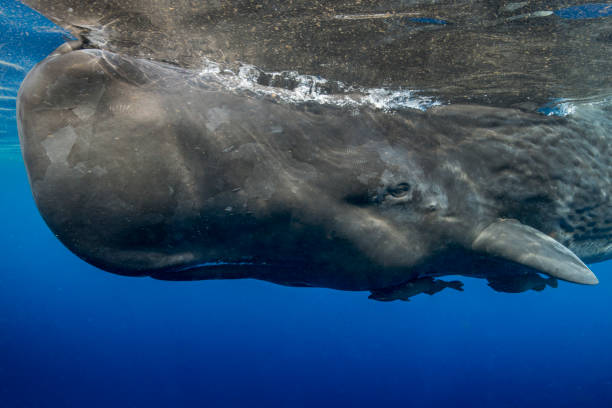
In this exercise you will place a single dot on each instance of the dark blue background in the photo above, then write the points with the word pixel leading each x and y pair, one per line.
pixel 74 336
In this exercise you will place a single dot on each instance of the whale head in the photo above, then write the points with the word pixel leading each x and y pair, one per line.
pixel 142 168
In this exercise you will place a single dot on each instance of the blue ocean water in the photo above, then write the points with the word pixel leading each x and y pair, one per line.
pixel 75 336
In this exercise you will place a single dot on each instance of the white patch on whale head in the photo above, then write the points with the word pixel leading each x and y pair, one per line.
pixel 216 117
pixel 59 144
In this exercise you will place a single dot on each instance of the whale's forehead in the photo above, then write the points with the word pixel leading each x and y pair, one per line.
pixel 491 52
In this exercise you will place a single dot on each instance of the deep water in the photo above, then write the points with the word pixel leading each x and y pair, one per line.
pixel 75 336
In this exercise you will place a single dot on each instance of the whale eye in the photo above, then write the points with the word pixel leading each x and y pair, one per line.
pixel 400 190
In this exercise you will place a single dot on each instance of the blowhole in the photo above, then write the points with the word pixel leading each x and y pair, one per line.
pixel 400 190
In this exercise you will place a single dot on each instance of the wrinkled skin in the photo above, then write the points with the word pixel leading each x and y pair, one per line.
pixel 141 168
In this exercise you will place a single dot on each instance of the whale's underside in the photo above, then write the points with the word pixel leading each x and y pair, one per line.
pixel 168 141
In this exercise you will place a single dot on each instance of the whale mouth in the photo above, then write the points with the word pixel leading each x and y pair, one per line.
pixel 209 271
pixel 286 274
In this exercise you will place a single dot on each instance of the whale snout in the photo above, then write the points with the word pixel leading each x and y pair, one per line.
pixel 91 144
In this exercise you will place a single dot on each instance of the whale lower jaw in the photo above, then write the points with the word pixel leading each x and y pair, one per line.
pixel 515 242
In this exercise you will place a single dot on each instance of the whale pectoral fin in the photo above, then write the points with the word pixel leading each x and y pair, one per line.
pixel 387 296
pixel 519 283
pixel 376 296
pixel 516 242
pixel 505 285
pixel 405 291
pixel 552 282
pixel 457 285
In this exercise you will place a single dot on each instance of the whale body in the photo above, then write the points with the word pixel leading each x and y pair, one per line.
pixel 145 168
